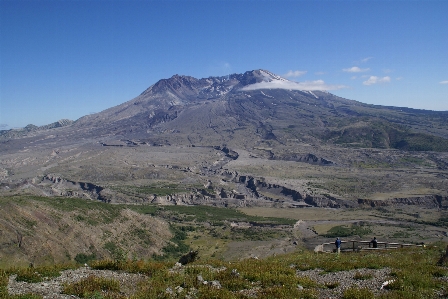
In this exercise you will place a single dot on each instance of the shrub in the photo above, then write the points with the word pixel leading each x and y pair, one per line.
pixel 345 231
pixel 92 286
pixel 3 284
pixel 177 246
pixel 147 268
pixel 24 296
pixel 117 253
pixel 332 285
pixel 286 293
pixel 39 274
pixel 106 265
pixel 362 276
pixel 82 258
pixel 356 293
pixel 29 275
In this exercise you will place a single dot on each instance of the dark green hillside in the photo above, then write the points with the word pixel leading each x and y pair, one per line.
pixel 367 133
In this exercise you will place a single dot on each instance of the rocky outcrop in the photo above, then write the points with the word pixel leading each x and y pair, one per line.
pixel 308 158
pixel 203 197
pixel 260 185
pixel 229 153
pixel 429 201
pixel 322 201
pixel 55 185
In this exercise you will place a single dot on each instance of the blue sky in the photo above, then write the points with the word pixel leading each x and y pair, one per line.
pixel 67 59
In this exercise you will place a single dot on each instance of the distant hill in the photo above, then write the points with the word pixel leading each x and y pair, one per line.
pixel 17 133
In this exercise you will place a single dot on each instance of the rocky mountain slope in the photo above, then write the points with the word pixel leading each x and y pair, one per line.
pixel 258 106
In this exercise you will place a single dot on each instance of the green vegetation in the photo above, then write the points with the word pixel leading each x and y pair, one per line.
pixel 216 216
pixel 420 142
pixel 348 231
pixel 159 189
pixel 177 246
pixel 442 222
pixel 371 133
pixel 82 258
pixel 413 160
pixel 115 251
pixel 361 276
pixel 142 267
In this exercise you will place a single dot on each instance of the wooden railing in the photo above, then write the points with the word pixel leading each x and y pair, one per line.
pixel 357 245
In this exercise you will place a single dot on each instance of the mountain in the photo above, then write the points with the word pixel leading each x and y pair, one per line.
pixel 258 106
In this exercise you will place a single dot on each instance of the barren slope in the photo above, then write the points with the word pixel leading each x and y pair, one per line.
pixel 57 230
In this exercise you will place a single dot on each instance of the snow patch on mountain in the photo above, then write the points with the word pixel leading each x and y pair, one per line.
pixel 290 85
pixel 268 76
pixel 311 93
pixel 266 95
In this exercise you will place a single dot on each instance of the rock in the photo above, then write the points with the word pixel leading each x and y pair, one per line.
pixel 386 283
pixel 319 248
pixel 177 265
pixel 215 284
pixel 189 257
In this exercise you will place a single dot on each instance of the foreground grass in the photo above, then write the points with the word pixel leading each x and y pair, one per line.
pixel 415 272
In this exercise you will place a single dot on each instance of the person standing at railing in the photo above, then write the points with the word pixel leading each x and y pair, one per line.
pixel 337 243
pixel 374 242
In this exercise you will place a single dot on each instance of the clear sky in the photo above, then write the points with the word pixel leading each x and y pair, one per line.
pixel 66 59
